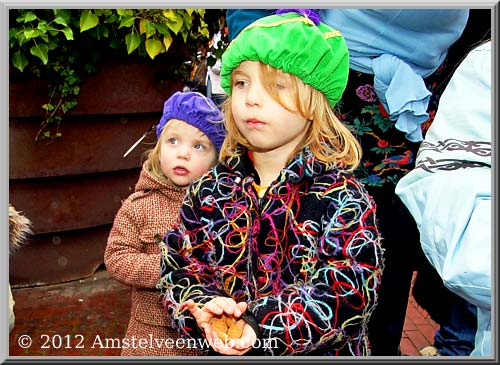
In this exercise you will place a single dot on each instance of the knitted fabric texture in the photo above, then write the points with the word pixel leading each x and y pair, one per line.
pixel 317 54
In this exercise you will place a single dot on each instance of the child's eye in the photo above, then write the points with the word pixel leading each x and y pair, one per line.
pixel 240 83
pixel 280 85
pixel 172 140
pixel 199 146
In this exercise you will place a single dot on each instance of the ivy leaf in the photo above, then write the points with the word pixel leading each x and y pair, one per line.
pixel 174 20
pixel 153 47
pixel 162 28
pixel 53 44
pixel 88 20
pixel 48 107
pixel 19 61
pixel 110 18
pixel 167 41
pixel 42 26
pixel 27 17
pixel 126 21
pixel 61 21
pixel 201 12
pixel 68 33
pixel 102 32
pixel 68 105
pixel 124 12
pixel 21 39
pixel 41 51
pixel 204 32
pixel 132 40
pixel 150 29
pixel 64 14
pixel 188 21
pixel 31 33
pixel 142 26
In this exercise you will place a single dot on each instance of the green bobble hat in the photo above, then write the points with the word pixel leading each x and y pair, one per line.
pixel 313 51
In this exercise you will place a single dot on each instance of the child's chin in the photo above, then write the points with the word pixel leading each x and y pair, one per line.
pixel 181 182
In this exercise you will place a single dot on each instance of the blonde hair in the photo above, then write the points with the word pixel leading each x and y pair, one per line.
pixel 152 157
pixel 328 138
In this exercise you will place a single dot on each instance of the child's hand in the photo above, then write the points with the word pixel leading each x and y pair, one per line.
pixel 227 306
pixel 224 307
pixel 215 307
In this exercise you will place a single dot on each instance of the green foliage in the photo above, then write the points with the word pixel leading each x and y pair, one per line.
pixel 63 45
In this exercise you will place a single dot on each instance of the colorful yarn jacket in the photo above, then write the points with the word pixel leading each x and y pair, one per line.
pixel 306 258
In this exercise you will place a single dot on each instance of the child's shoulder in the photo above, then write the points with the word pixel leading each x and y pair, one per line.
pixel 139 195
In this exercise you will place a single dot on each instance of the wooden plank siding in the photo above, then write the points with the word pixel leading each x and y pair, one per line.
pixel 72 188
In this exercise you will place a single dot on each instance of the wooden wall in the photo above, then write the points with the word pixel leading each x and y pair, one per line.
pixel 72 188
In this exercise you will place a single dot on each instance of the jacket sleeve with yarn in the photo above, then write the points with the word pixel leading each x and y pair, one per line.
pixel 125 257
pixel 331 307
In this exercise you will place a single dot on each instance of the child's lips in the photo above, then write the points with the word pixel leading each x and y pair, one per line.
pixel 255 123
pixel 179 170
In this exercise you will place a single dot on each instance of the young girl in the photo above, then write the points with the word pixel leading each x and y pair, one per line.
pixel 279 234
pixel 190 135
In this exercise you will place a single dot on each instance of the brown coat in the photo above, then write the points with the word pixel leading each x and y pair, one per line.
pixel 133 257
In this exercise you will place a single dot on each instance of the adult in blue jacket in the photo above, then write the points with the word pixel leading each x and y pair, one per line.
pixel 449 191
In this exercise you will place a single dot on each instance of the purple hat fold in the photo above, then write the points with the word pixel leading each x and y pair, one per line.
pixel 199 111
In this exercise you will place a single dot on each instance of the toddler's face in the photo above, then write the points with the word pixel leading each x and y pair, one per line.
pixel 186 153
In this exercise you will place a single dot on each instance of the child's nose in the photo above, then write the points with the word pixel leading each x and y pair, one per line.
pixel 183 152
pixel 254 95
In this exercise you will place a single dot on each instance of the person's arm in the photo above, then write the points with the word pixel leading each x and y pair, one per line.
pixel 334 303
pixel 124 256
pixel 453 213
pixel 449 190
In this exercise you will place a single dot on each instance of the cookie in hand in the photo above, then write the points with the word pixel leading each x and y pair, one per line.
pixel 227 328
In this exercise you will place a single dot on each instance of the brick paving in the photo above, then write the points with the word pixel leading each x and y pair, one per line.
pixel 76 318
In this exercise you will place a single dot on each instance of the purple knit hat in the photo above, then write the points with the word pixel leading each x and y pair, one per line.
pixel 199 111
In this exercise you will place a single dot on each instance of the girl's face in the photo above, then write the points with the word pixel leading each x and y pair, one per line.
pixel 265 124
pixel 186 153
